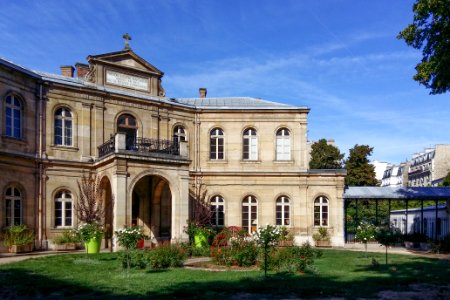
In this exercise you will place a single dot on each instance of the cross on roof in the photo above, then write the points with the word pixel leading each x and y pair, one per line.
pixel 127 38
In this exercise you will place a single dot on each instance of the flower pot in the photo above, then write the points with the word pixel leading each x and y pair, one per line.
pixel 20 248
pixel 201 240
pixel 140 244
pixel 65 247
pixel 323 244
pixel 93 246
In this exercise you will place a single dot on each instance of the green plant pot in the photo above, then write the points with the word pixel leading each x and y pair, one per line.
pixel 201 240
pixel 93 246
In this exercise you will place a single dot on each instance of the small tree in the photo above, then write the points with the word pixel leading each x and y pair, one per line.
pixel 365 232
pixel 387 237
pixel 267 237
pixel 359 171
pixel 90 208
pixel 325 156
pixel 200 209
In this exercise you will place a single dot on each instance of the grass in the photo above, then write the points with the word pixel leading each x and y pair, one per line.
pixel 338 273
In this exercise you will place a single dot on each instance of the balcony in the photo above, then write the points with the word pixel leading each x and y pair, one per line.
pixel 143 146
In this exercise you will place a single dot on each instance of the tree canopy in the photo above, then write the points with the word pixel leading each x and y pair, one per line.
pixel 359 171
pixel 430 31
pixel 325 156
pixel 446 181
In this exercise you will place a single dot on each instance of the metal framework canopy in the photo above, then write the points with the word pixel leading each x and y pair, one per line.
pixel 397 193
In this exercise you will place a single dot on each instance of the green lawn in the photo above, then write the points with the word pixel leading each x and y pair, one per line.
pixel 338 273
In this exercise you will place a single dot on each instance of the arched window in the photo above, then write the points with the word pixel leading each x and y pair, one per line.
pixel 250 145
pixel 13 206
pixel 63 209
pixel 13 117
pixel 249 214
pixel 283 211
pixel 216 143
pixel 179 134
pixel 321 211
pixel 63 127
pixel 217 211
pixel 283 144
pixel 127 124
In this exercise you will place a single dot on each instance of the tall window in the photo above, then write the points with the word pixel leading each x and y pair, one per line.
pixel 13 117
pixel 283 211
pixel 249 214
pixel 321 211
pixel 283 144
pixel 250 143
pixel 63 209
pixel 63 127
pixel 217 211
pixel 179 134
pixel 13 206
pixel 216 142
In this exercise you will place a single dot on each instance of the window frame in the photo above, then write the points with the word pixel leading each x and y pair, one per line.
pixel 283 144
pixel 321 204
pixel 66 139
pixel 13 108
pixel 217 206
pixel 284 203
pixel 250 144
pixel 248 203
pixel 179 134
pixel 10 210
pixel 61 197
pixel 216 142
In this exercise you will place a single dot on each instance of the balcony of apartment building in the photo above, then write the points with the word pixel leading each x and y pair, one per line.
pixel 140 148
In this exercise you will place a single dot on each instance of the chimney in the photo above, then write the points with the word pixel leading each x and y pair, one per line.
pixel 82 70
pixel 67 71
pixel 202 92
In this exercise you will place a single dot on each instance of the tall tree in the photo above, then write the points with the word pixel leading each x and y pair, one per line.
pixel 325 156
pixel 430 31
pixel 446 181
pixel 359 171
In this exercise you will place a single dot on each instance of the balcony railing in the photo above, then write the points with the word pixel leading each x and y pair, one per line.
pixel 141 145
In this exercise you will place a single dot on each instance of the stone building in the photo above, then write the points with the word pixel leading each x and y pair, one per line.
pixel 429 167
pixel 111 117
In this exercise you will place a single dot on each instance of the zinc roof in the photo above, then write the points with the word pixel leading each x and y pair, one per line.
pixel 387 192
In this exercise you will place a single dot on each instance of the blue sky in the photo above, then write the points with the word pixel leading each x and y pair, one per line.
pixel 340 58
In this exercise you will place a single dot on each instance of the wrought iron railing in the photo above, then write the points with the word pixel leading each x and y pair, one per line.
pixel 143 145
pixel 106 148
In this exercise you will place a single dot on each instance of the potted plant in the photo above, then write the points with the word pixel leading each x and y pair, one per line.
pixel 199 223
pixel 67 240
pixel 18 239
pixel 91 212
pixel 322 237
pixel 286 237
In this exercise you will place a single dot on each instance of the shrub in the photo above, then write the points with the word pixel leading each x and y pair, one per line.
pixel 133 259
pixel 246 255
pixel 293 259
pixel 165 256
pixel 18 235
pixel 66 237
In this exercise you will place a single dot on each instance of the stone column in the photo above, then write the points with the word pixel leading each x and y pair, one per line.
pixel 119 190
pixel 180 209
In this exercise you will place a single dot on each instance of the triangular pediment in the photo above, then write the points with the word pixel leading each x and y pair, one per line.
pixel 125 70
pixel 125 59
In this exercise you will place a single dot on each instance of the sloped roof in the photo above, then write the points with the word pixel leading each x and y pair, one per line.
pixel 234 103
pixel 400 193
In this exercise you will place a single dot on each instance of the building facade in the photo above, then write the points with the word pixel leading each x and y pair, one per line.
pixel 429 167
pixel 395 175
pixel 111 118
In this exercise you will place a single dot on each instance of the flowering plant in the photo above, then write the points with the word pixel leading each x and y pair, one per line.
pixel 88 231
pixel 129 236
pixel 365 232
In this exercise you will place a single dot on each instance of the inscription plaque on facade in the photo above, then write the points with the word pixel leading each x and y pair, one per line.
pixel 126 80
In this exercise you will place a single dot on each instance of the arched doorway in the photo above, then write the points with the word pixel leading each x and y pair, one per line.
pixel 151 207
pixel 108 200
pixel 127 124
